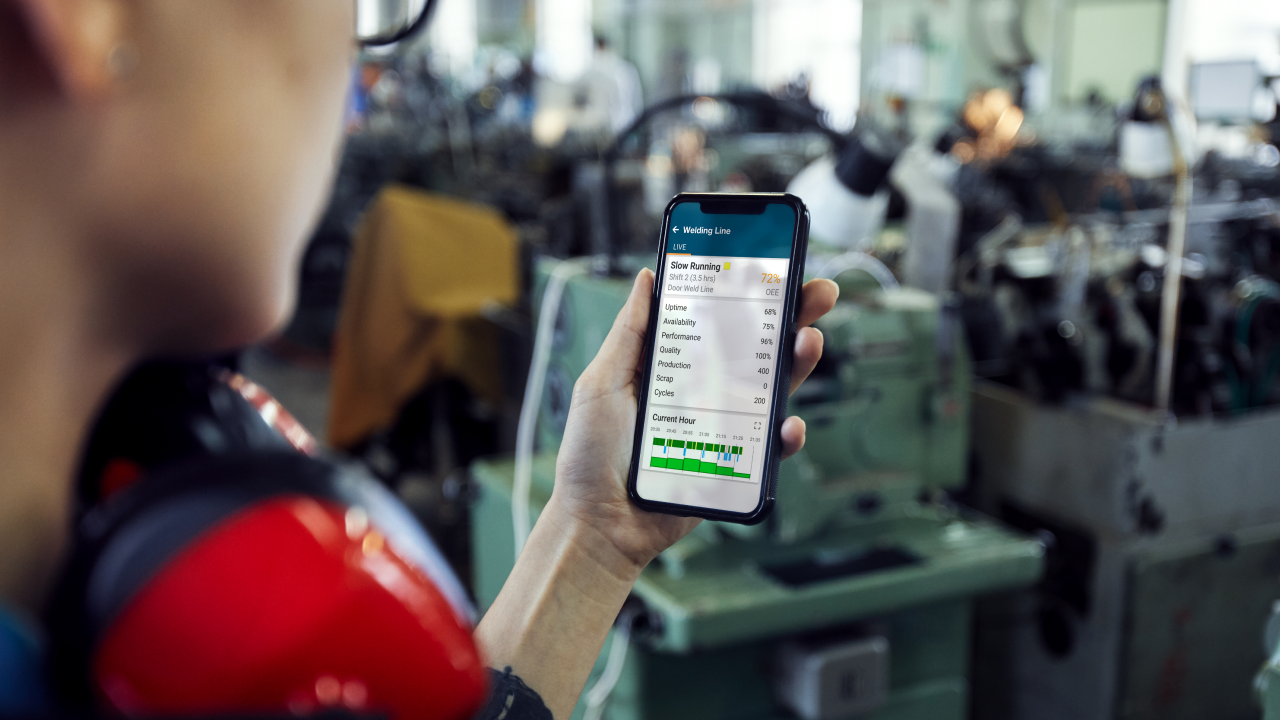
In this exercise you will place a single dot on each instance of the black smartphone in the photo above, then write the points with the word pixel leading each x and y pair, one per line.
pixel 716 369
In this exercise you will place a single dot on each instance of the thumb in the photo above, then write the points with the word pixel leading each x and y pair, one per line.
pixel 616 364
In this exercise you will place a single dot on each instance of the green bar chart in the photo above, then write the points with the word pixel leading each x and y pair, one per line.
pixel 732 461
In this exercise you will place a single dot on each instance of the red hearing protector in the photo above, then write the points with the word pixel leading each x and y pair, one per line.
pixel 260 580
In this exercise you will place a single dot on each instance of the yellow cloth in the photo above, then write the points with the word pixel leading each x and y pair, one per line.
pixel 422 268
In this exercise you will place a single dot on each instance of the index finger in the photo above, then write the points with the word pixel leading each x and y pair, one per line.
pixel 618 360
pixel 817 297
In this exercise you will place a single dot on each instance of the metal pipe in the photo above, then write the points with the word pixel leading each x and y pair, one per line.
pixel 1171 293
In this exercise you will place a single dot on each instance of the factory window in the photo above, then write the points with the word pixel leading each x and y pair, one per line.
pixel 563 38
pixel 817 39
pixel 1230 31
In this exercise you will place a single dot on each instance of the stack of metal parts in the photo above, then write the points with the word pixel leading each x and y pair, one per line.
pixel 1062 310
pixel 855 598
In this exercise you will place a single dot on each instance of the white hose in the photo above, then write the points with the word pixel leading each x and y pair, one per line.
pixel 551 296
pixel 599 692
pixel 856 259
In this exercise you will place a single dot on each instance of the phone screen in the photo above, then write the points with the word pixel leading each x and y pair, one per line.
pixel 716 353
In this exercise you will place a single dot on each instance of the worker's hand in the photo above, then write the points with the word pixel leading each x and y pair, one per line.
pixel 591 472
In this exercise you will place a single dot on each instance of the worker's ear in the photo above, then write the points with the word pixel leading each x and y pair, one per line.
pixel 78 45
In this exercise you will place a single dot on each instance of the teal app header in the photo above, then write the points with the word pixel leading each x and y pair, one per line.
pixel 767 235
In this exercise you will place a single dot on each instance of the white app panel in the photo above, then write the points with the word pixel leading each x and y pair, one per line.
pixel 718 337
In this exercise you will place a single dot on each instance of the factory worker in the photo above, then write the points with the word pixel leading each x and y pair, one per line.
pixel 611 87
pixel 161 164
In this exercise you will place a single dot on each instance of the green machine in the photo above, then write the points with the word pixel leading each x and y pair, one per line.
pixel 854 598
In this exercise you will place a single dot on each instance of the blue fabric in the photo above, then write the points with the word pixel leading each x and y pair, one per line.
pixel 22 689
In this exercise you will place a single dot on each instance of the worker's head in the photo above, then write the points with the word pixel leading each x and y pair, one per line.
pixel 168 158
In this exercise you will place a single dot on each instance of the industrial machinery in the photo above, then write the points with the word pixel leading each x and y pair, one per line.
pixel 1163 557
pixel 1267 682
pixel 855 598
pixel 1126 325
pixel 1162 527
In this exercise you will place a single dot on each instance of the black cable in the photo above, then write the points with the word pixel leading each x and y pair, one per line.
pixel 754 99
pixel 747 99
pixel 397 35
